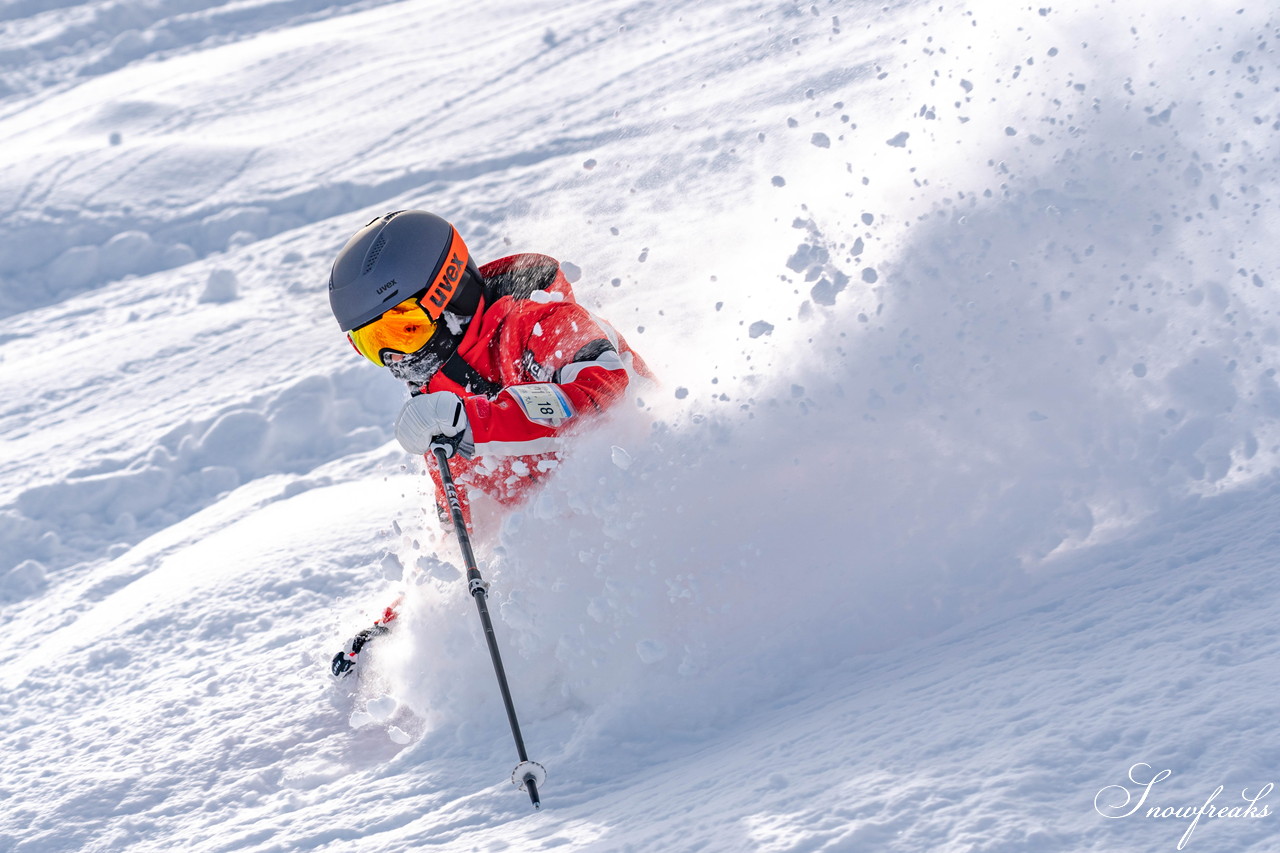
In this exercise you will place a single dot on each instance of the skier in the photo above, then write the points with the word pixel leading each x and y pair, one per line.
pixel 501 361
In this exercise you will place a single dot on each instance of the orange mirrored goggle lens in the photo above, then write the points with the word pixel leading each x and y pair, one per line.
pixel 403 329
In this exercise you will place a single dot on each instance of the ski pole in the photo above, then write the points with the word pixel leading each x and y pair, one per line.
pixel 528 774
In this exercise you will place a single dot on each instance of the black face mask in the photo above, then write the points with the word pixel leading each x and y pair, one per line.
pixel 418 368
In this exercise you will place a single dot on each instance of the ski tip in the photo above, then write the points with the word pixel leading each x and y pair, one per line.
pixel 342 664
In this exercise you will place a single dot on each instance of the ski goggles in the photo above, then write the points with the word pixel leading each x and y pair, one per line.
pixel 403 330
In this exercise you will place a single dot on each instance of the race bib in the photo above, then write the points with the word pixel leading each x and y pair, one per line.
pixel 543 403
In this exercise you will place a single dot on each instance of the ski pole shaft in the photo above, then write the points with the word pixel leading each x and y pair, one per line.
pixel 480 591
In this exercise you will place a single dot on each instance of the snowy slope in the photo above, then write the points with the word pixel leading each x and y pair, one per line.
pixel 956 502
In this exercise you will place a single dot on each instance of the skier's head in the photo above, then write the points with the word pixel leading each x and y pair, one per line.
pixel 403 289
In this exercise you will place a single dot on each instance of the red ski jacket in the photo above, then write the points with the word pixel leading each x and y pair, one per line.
pixel 532 366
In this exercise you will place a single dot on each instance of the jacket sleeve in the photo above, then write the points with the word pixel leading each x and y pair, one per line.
pixel 580 355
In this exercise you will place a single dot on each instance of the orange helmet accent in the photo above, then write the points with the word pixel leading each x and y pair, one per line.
pixel 440 291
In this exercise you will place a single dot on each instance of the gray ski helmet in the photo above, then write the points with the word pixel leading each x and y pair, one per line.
pixel 395 257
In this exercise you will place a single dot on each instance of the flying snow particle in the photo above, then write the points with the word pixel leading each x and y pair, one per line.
pixel 779 181
pixel 802 258
pixel 382 708
pixel 821 140
pixel 392 568
pixel 760 327
pixel 620 457
pixel 899 141
pixel 825 291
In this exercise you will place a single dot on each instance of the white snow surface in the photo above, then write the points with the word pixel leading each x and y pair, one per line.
pixel 952 522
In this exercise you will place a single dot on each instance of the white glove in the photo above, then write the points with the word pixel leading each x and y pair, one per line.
pixel 427 416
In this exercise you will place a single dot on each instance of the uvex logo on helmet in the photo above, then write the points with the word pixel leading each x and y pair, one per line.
pixel 448 282
pixel 441 290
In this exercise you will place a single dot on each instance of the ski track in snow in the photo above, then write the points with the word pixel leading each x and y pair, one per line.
pixel 957 499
